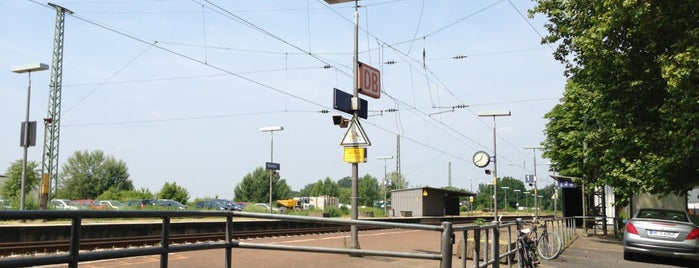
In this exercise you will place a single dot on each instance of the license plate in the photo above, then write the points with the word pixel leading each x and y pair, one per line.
pixel 662 233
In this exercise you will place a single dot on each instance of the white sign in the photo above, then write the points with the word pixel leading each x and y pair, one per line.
pixel 355 135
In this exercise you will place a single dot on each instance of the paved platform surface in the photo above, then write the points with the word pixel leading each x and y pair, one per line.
pixel 585 251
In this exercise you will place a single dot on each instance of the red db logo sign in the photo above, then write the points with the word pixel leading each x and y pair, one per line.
pixel 369 81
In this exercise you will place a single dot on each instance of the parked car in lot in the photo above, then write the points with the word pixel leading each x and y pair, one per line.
pixel 230 205
pixel 210 204
pixel 62 204
pixel 265 207
pixel 112 204
pixel 87 204
pixel 169 204
pixel 661 232
pixel 140 203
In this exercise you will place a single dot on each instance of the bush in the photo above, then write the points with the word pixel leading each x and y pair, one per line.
pixel 335 212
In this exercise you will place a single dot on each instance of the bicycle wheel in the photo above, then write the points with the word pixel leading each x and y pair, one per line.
pixel 549 245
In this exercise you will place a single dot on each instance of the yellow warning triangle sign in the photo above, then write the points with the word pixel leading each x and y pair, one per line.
pixel 355 135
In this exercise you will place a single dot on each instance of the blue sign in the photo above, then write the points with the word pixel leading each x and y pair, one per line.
pixel 567 184
pixel 529 178
pixel 343 101
pixel 272 166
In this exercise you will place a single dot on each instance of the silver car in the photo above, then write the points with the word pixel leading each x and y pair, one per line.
pixel 661 232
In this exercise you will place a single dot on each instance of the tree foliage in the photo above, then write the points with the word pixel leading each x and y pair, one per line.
pixel 112 194
pixel 254 187
pixel 87 175
pixel 398 181
pixel 11 188
pixel 174 192
pixel 369 191
pixel 326 187
pixel 630 115
pixel 484 199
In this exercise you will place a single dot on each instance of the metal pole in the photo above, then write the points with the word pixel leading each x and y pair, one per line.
pixel 25 144
pixel 447 245
pixel 385 175
pixel 536 190
pixel 495 173
pixel 271 159
pixel 355 166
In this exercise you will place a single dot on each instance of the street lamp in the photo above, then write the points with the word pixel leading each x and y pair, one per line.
pixel 26 142
pixel 271 131
pixel 385 183
pixel 517 191
pixel 505 188
pixel 495 160
pixel 536 191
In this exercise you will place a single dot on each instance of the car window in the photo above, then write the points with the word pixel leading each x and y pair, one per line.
pixel 663 215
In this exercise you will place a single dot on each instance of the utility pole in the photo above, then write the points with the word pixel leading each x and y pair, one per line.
pixel 536 191
pixel 449 174
pixel 398 153
pixel 49 167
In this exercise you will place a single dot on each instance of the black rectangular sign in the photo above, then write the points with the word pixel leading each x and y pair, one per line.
pixel 272 166
pixel 342 101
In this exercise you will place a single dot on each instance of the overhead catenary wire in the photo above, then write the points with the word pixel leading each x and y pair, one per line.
pixel 286 70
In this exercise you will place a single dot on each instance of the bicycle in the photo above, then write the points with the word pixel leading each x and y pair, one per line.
pixel 526 257
pixel 548 244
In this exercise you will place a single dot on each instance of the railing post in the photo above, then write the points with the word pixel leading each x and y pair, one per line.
pixel 464 248
pixel 447 245
pixel 75 242
pixel 496 244
pixel 229 239
pixel 165 242
pixel 476 247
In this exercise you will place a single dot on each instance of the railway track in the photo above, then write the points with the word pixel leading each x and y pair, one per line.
pixel 44 247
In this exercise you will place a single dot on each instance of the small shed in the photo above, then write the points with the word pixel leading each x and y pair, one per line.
pixel 426 201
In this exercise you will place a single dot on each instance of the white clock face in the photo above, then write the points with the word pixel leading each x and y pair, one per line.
pixel 481 159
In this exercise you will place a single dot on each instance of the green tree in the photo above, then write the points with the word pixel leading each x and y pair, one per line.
pixel 174 192
pixel 398 181
pixel 11 187
pixel 306 191
pixel 345 182
pixel 369 191
pixel 326 187
pixel 87 175
pixel 630 115
pixel 254 187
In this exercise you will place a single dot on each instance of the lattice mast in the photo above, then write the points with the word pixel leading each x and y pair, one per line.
pixel 52 122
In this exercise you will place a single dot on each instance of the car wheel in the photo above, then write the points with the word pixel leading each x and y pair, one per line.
pixel 628 256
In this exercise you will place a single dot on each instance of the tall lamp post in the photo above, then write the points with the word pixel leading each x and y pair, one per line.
pixel 505 205
pixel 495 160
pixel 25 131
pixel 536 191
pixel 271 131
pixel 517 193
pixel 385 183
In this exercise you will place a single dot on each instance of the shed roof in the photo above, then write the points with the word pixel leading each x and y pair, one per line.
pixel 448 192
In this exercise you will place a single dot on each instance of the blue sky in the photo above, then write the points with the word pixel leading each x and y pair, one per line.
pixel 179 89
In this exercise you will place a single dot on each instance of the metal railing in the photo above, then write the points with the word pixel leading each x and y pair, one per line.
pixel 483 256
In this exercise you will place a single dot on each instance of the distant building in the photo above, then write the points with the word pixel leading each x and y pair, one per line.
pixel 426 201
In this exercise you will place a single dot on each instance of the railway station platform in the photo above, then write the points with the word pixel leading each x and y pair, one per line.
pixel 585 251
